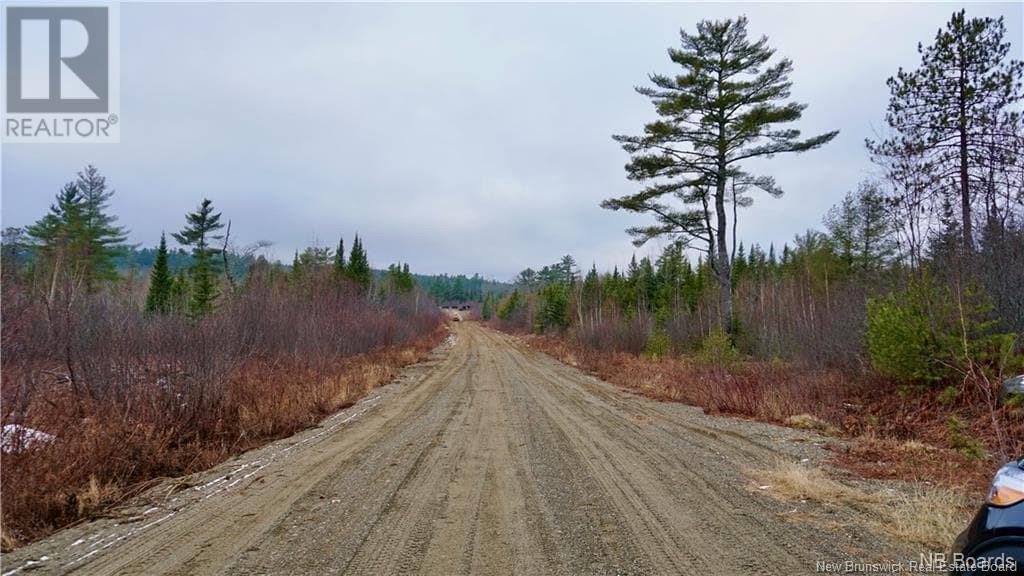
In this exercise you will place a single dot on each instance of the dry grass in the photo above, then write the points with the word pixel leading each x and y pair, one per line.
pixel 95 497
pixel 930 517
pixel 914 446
pixel 808 483
pixel 7 541
pixel 809 422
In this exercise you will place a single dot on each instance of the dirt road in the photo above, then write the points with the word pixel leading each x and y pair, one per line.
pixel 488 459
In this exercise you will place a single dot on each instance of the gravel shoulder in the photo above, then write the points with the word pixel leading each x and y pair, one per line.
pixel 489 458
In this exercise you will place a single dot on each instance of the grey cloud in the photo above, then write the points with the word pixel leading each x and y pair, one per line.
pixel 460 138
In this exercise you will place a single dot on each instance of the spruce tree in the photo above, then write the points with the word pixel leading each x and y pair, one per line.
pixel 297 268
pixel 179 292
pixel 861 229
pixel 199 232
pixel 161 283
pixel 358 268
pixel 339 260
pixel 487 309
pixel 739 264
pixel 403 279
pixel 726 106
pixel 13 248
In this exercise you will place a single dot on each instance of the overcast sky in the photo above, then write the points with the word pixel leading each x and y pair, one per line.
pixel 459 138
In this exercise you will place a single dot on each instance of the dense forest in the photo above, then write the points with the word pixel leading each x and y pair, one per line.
pixel 460 288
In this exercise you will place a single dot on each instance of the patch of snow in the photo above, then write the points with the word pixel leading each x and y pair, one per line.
pixel 27 564
pixel 17 438
pixel 99 542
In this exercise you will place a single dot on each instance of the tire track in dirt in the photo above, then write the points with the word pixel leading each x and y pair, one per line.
pixel 686 529
pixel 489 459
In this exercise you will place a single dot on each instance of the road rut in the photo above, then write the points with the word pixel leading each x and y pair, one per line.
pixel 488 459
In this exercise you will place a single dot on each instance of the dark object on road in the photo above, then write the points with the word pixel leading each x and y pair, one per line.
pixel 996 535
pixel 1012 389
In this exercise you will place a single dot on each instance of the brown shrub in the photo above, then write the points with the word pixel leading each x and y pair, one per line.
pixel 131 398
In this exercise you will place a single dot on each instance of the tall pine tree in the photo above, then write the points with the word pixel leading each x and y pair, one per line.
pixel 726 106
pixel 103 238
pixel 199 232
pixel 58 242
pixel 945 113
pixel 77 240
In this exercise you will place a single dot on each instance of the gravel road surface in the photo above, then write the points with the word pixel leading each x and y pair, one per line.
pixel 489 458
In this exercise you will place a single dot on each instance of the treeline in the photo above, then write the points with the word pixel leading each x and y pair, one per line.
pixel 145 376
pixel 918 273
pixel 460 288
pixel 806 302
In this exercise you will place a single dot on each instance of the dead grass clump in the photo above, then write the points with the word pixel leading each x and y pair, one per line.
pixel 808 422
pixel 915 446
pixel 408 356
pixel 933 517
pixel 95 497
pixel 798 482
pixel 376 374
pixel 925 516
pixel 7 542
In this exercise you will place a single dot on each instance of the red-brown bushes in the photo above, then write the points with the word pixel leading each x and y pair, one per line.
pixel 765 390
pixel 131 397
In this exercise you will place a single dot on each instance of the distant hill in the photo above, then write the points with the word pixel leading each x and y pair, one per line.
pixel 441 287
pixel 460 288
pixel 142 259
